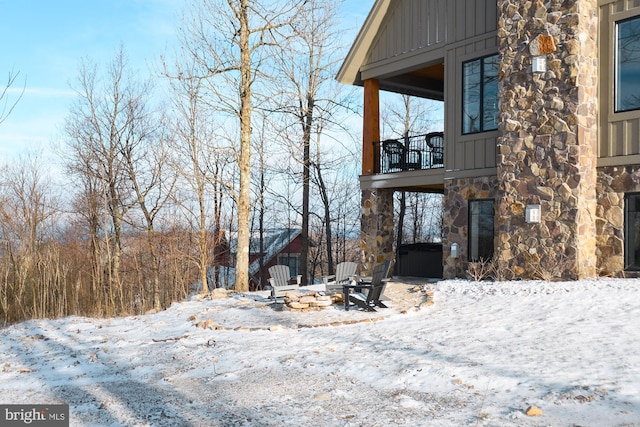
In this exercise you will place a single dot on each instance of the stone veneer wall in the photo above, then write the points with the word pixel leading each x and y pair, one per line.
pixel 457 193
pixel 613 183
pixel 547 137
pixel 377 228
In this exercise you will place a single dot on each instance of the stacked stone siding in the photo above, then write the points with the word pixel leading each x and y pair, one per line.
pixel 377 235
pixel 458 192
pixel 547 137
pixel 613 183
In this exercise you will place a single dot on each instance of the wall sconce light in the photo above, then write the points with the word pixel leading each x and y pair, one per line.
pixel 454 250
pixel 539 64
pixel 532 214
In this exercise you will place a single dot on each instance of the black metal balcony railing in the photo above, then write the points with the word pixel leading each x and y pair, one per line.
pixel 411 153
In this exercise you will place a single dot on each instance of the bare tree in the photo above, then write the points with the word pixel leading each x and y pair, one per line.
pixel 31 205
pixel 199 161
pixel 192 162
pixel 406 118
pixel 27 217
pixel 261 208
pixel 306 65
pixel 107 117
pixel 339 203
pixel 146 163
pixel 424 215
pixel 7 106
pixel 326 204
pixel 87 207
pixel 229 41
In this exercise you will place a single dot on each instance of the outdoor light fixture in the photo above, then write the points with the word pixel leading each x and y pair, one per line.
pixel 539 64
pixel 532 214
pixel 454 250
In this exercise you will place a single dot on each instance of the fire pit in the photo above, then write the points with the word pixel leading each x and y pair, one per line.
pixel 311 301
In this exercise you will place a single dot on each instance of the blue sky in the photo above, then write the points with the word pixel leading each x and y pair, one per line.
pixel 44 40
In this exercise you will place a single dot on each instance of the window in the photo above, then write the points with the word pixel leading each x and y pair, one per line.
pixel 627 64
pixel 632 231
pixel 480 95
pixel 480 230
pixel 292 260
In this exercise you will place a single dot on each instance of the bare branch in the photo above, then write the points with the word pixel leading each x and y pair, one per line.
pixel 7 106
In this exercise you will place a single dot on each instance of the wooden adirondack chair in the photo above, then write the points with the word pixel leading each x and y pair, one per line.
pixel 366 295
pixel 345 271
pixel 281 281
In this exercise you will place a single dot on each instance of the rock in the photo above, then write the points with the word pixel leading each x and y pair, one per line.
pixel 337 298
pixel 321 396
pixel 218 293
pixel 276 328
pixel 512 126
pixel 319 303
pixel 533 411
pixel 205 324
pixel 292 295
pixel 298 305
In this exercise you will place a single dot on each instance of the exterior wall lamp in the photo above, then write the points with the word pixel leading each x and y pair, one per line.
pixel 532 214
pixel 454 251
pixel 539 64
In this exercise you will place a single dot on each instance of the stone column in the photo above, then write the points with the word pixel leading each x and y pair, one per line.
pixel 376 236
pixel 547 138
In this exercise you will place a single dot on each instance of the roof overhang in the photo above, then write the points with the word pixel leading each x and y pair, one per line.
pixel 349 72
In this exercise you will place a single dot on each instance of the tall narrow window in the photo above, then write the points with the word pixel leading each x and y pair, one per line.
pixel 627 85
pixel 632 231
pixel 480 230
pixel 292 260
pixel 480 95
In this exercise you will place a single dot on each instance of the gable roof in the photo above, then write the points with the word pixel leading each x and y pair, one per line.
pixel 274 242
pixel 349 72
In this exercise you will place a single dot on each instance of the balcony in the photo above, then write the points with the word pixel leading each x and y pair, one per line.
pixel 418 152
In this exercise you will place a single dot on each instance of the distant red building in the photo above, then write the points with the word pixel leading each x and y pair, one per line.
pixel 279 246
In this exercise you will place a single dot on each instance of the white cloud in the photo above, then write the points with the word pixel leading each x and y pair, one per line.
pixel 41 91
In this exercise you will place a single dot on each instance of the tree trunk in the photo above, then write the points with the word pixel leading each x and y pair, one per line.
pixel 306 141
pixel 244 162
pixel 403 209
pixel 327 218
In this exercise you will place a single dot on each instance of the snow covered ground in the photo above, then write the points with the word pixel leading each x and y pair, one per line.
pixel 480 356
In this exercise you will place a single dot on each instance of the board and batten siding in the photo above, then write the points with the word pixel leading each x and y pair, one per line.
pixel 417 26
pixel 619 133
pixel 466 155
pixel 409 26
pixel 413 25
pixel 419 33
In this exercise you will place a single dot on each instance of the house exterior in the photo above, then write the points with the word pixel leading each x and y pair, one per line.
pixel 541 154
pixel 279 246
